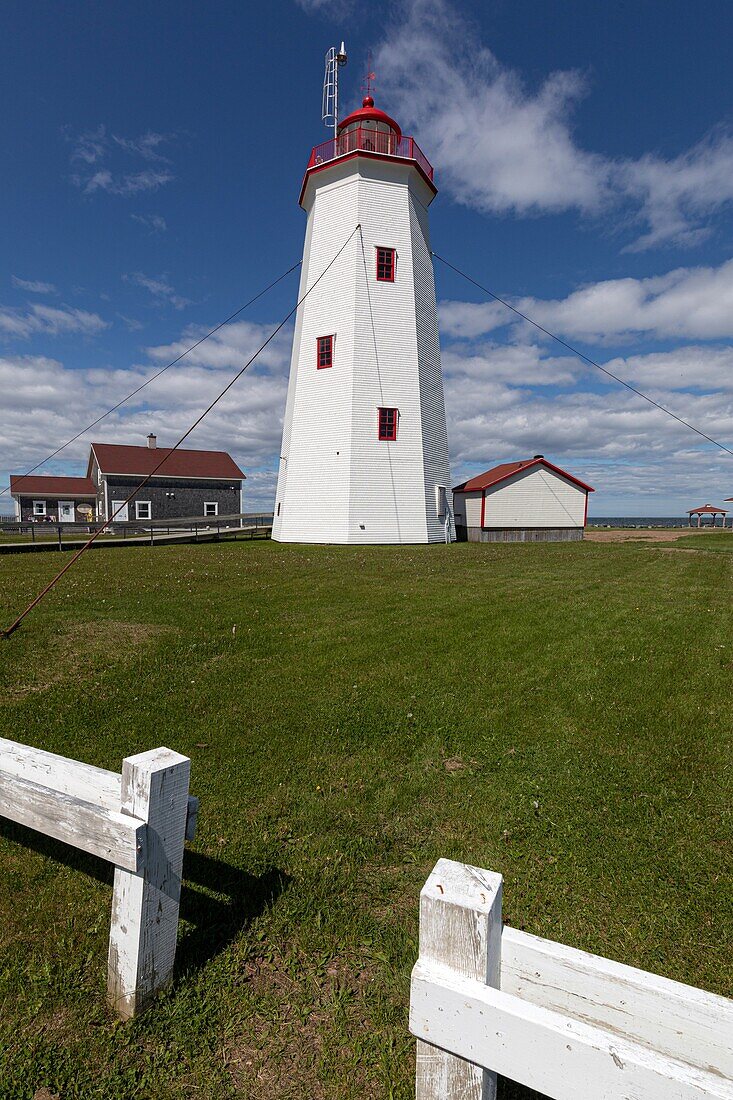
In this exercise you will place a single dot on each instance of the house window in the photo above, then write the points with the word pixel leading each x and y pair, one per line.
pixel 143 509
pixel 385 265
pixel 39 507
pixel 388 423
pixel 324 352
pixel 211 508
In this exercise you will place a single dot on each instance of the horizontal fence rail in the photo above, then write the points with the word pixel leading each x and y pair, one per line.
pixel 571 1025
pixel 363 139
pixel 138 820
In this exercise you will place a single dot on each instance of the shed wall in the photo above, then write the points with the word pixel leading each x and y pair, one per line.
pixel 535 499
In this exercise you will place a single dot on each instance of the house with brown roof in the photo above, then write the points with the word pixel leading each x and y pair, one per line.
pixel 186 484
pixel 53 499
pixel 531 500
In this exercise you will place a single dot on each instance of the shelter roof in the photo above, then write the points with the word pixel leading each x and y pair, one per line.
pixel 505 470
pixel 116 458
pixel 47 486
pixel 707 509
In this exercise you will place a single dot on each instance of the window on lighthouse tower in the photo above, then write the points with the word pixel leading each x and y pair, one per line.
pixel 385 265
pixel 324 352
pixel 388 424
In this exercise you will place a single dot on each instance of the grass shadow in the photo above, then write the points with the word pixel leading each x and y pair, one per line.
pixel 58 851
pixel 216 921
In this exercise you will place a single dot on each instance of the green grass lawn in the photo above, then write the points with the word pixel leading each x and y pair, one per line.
pixel 718 540
pixel 558 713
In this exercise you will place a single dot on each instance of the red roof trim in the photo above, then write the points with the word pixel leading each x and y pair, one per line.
pixel 28 485
pixel 505 470
pixel 371 156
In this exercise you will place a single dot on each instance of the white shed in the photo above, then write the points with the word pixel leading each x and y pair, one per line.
pixel 527 501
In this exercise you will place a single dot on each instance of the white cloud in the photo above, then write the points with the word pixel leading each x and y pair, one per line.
pixel 45 402
pixel 677 195
pixel 132 183
pixel 497 412
pixel 159 287
pixel 689 303
pixel 154 222
pixel 501 147
pixel 32 285
pixel 687 368
pixel 145 146
pixel 333 8
pixel 55 321
pixel 94 150
pixel 511 364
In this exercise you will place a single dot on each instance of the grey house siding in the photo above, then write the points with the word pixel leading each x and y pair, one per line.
pixel 522 534
pixel 52 508
pixel 176 498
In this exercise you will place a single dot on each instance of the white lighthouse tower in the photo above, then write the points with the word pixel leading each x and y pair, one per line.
pixel 364 454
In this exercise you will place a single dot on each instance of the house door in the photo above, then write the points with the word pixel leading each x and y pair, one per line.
pixel 122 516
pixel 66 511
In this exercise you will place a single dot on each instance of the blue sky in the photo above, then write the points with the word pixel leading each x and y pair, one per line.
pixel 152 157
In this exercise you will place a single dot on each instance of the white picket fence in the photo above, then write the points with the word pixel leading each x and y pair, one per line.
pixel 137 820
pixel 486 1000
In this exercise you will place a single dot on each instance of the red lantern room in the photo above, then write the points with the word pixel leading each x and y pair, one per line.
pixel 370 129
pixel 369 132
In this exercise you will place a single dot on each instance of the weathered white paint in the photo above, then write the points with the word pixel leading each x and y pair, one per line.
pixel 142 943
pixel 674 1019
pixel 557 1055
pixel 97 786
pixel 538 498
pixel 138 821
pixel 337 481
pixel 112 836
pixel 567 1023
pixel 460 933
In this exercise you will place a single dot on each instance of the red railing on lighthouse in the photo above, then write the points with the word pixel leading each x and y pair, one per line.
pixel 364 140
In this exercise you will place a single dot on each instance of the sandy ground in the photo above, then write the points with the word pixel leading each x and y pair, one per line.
pixel 663 534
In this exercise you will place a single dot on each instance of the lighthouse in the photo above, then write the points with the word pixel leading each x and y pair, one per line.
pixel 364 455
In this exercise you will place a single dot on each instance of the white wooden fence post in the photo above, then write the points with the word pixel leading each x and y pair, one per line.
pixel 142 944
pixel 460 930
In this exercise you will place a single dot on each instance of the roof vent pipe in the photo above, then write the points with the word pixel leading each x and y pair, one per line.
pixel 152 441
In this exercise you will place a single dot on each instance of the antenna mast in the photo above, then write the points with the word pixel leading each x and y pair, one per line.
pixel 330 113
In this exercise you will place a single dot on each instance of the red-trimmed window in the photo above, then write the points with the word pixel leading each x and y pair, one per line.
pixel 385 265
pixel 324 352
pixel 388 424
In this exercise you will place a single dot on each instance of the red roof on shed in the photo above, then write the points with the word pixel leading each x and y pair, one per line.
pixel 505 470
pixel 41 485
pixel 116 458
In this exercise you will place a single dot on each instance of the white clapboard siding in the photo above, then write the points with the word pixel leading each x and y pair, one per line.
pixel 559 1056
pixel 94 829
pixel 538 497
pixel 675 1019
